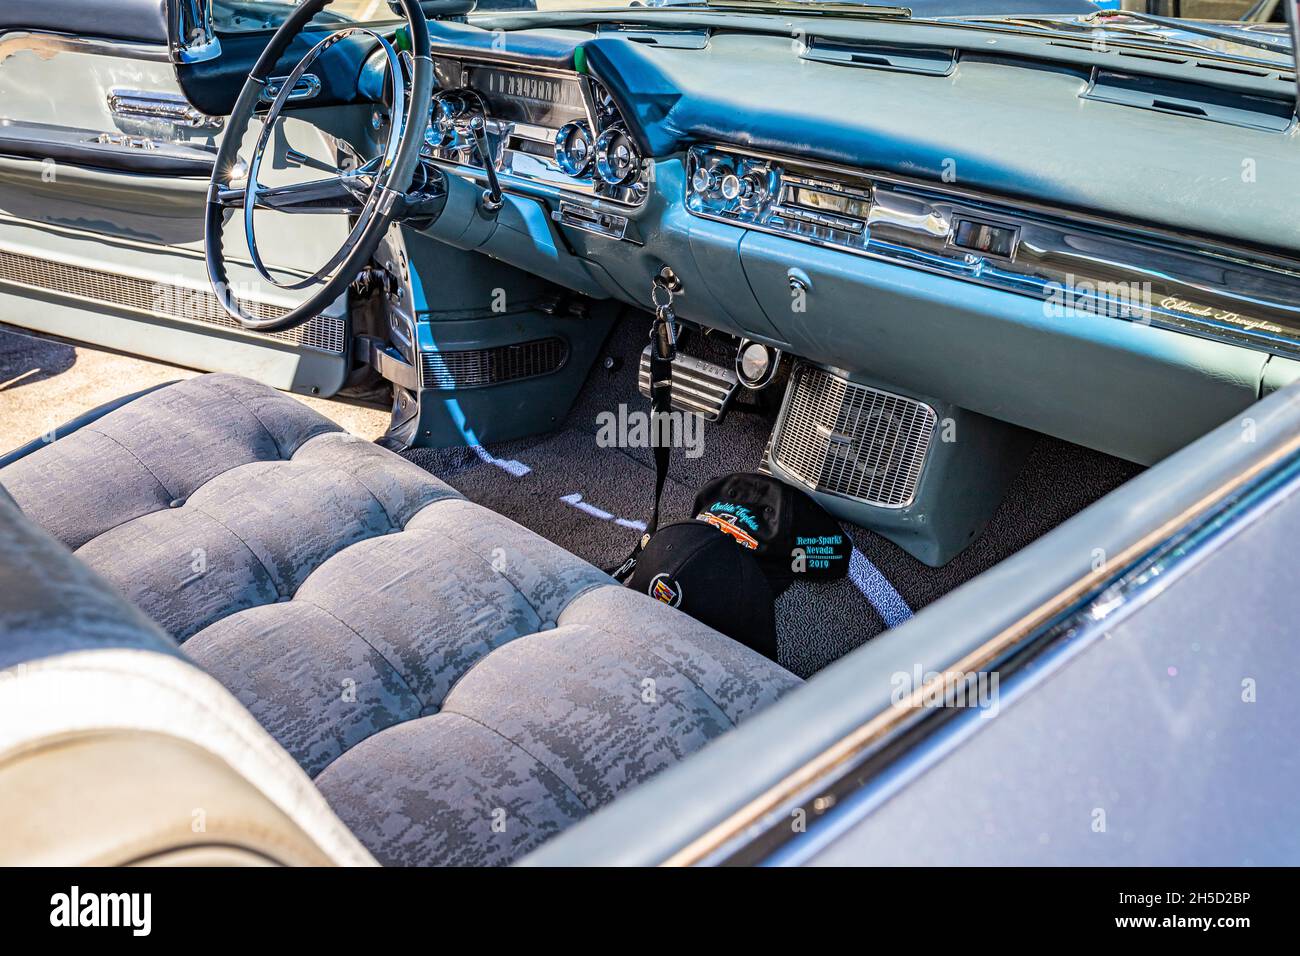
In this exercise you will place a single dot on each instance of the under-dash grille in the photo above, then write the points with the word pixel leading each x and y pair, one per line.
pixel 473 368
pixel 852 440
pixel 167 300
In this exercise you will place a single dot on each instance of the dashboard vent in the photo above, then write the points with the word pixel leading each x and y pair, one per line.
pixel 934 61
pixel 166 300
pixel 852 440
pixel 1191 99
pixel 677 39
pixel 475 368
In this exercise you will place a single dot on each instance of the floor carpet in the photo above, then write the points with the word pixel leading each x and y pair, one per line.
pixel 589 498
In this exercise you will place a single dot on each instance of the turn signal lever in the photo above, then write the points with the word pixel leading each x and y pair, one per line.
pixel 490 202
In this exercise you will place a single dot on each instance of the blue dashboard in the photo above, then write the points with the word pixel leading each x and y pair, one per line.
pixel 1049 237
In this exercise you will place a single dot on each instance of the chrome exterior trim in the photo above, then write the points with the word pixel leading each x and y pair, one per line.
pixel 1292 8
pixel 1077 265
pixel 156 105
pixel 49 44
pixel 760 833
pixel 1032 658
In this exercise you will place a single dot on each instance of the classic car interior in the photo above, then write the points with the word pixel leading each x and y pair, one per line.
pixel 957 273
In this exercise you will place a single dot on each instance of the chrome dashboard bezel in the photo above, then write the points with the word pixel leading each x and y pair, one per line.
pixel 536 170
pixel 898 235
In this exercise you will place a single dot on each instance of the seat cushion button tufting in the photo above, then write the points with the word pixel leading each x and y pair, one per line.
pixel 176 503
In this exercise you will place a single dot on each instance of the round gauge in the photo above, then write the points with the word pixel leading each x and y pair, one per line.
pixel 449 104
pixel 617 160
pixel 574 150
pixel 451 109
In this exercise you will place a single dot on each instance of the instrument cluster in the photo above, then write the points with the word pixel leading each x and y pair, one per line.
pixel 548 126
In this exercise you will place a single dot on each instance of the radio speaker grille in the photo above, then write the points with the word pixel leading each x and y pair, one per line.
pixel 474 368
pixel 162 299
pixel 852 440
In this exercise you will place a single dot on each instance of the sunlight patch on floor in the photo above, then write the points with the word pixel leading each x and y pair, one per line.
pixel 44 383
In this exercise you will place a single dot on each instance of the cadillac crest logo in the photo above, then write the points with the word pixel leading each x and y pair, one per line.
pixel 663 588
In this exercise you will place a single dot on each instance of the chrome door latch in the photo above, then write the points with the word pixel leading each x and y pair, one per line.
pixel 159 106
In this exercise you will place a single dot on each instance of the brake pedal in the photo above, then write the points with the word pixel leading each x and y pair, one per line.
pixel 698 386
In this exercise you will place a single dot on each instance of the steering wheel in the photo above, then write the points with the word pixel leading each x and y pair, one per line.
pixel 371 193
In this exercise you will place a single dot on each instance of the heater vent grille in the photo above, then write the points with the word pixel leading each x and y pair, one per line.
pixel 474 368
pixel 852 440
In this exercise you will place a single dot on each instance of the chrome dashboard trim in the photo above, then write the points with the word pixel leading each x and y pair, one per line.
pixel 584 217
pixel 1076 264
pixel 307 87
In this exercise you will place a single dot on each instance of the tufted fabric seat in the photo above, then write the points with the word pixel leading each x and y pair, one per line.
pixel 459 688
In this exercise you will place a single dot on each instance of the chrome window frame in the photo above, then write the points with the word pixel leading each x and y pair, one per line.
pixel 1293 24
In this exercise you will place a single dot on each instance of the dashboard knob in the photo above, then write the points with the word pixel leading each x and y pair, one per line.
pixel 707 180
pixel 618 162
pixel 733 187
pixel 574 150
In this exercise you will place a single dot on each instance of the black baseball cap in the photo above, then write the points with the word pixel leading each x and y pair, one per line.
pixel 789 533
pixel 692 566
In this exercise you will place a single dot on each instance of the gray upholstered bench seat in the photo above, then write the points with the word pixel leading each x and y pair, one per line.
pixel 459 687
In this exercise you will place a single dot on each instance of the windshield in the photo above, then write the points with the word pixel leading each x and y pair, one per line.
pixel 264 14
pixel 1253 30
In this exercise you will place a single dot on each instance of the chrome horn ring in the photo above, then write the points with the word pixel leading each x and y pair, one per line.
pixel 381 175
pixel 374 193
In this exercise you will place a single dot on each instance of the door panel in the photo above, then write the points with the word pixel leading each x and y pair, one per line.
pixel 104 164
